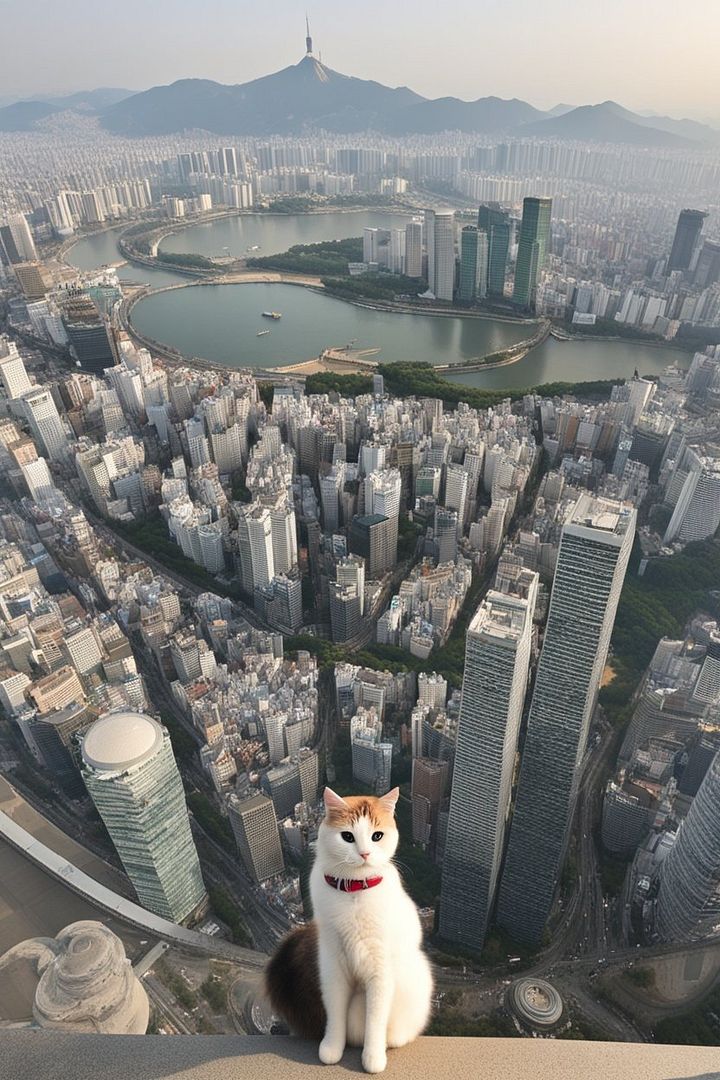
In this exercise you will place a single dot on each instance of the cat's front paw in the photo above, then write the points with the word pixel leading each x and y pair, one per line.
pixel 374 1061
pixel 330 1052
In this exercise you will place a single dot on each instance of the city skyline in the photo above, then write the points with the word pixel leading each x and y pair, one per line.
pixel 617 71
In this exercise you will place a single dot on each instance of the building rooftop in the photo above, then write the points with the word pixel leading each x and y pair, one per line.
pixel 119 740
pixel 608 515
pixel 29 1054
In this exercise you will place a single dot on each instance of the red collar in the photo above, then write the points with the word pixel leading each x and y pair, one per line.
pixel 352 884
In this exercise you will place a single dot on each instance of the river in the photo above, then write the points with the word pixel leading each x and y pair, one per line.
pixel 220 323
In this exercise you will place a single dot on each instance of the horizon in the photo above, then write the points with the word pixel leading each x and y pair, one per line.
pixel 618 70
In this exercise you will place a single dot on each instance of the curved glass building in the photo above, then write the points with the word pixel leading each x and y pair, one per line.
pixel 689 880
pixel 130 772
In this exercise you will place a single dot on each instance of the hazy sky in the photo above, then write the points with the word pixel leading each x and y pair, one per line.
pixel 647 54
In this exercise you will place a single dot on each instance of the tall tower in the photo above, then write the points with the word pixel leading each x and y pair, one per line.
pixel 44 422
pixel 689 880
pixel 495 223
pixel 441 254
pixel 532 249
pixel 131 776
pixel 687 234
pixel 594 551
pixel 308 39
pixel 497 658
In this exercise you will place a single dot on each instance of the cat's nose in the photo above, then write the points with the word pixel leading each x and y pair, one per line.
pixel 364 854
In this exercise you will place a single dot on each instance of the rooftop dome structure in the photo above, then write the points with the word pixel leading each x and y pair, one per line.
pixel 120 740
pixel 85 981
pixel 536 1004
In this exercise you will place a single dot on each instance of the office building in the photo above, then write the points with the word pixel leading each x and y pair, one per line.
pixel 375 538
pixel 440 241
pixel 497 659
pixel 532 248
pixel 45 423
pixel 88 334
pixel 595 546
pixel 131 776
pixel 472 285
pixel 413 249
pixel 688 905
pixel 686 239
pixel 371 757
pixel 255 828
pixel 496 225
pixel 14 377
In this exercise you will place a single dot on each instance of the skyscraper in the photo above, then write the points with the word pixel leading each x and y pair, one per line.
pixel 131 776
pixel 375 538
pixel 45 423
pixel 495 223
pixel 497 658
pixel 413 249
pixel 689 879
pixel 686 239
pixel 440 241
pixel 255 828
pixel 473 265
pixel 255 546
pixel 532 249
pixel 12 370
pixel 594 550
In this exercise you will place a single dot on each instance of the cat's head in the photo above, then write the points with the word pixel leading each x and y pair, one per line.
pixel 358 836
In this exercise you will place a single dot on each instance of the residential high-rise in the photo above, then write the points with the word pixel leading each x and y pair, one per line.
pixel 440 242
pixel 255 827
pixel 532 249
pixel 255 546
pixel 12 370
pixel 686 239
pixel 371 757
pixel 496 224
pixel 131 776
pixel 347 598
pixel 18 240
pixel 45 423
pixel 688 906
pixel 497 659
pixel 595 547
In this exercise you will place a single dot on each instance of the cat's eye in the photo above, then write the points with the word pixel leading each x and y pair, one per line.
pixel 377 836
pixel 348 837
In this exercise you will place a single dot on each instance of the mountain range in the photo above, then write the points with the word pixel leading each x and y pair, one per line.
pixel 309 95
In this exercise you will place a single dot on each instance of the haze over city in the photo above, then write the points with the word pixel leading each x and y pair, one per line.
pixel 650 56
pixel 359 539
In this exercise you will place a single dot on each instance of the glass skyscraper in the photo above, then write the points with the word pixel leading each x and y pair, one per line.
pixel 497 658
pixel 496 224
pixel 687 234
pixel 594 550
pixel 473 265
pixel 689 888
pixel 532 249
pixel 131 776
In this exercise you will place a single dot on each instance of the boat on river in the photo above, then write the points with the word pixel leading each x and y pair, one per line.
pixel 271 314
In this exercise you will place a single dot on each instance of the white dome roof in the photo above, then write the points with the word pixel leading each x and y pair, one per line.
pixel 121 739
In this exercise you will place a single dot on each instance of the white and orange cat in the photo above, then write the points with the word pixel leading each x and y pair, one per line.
pixel 356 975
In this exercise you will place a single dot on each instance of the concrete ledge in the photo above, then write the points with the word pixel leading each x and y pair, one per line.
pixel 33 1055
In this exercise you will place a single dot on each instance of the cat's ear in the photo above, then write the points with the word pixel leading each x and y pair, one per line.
pixel 333 801
pixel 389 801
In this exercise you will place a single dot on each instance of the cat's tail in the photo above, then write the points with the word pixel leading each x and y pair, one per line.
pixel 292 983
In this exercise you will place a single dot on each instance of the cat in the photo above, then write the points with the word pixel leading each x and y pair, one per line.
pixel 356 974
